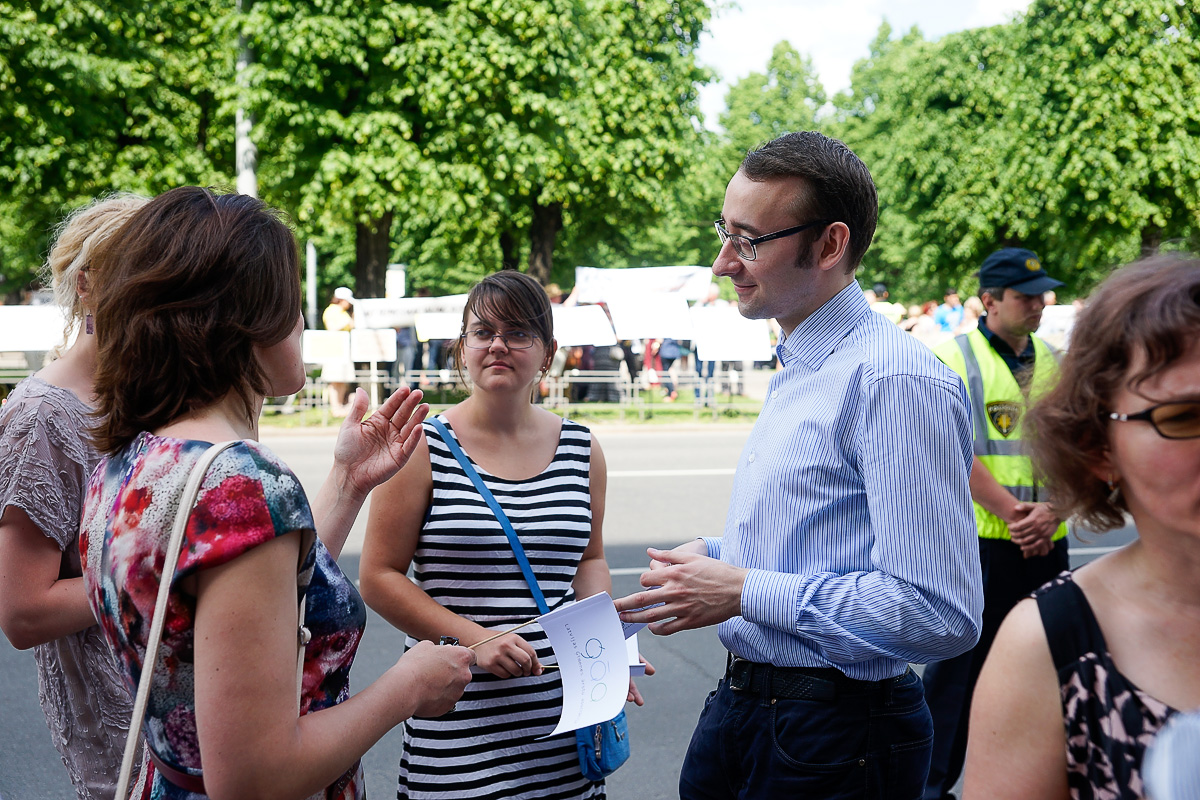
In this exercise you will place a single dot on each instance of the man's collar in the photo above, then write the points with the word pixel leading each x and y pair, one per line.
pixel 999 345
pixel 815 338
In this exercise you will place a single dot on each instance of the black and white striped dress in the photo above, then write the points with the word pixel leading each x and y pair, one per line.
pixel 488 747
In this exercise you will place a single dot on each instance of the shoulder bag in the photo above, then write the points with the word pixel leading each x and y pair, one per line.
pixel 604 747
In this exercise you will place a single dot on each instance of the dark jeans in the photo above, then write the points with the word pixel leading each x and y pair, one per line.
pixel 664 376
pixel 1007 578
pixel 870 742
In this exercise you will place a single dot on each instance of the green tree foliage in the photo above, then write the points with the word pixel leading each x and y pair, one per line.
pixel 930 120
pixel 468 132
pixel 1112 146
pixel 1071 131
pixel 763 106
pixel 96 96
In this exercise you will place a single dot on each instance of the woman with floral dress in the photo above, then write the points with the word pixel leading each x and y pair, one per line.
pixel 199 323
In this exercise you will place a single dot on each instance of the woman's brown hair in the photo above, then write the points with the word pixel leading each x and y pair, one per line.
pixel 193 282
pixel 514 300
pixel 1149 311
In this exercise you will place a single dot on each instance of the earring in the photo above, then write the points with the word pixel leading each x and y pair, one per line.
pixel 89 325
pixel 1114 491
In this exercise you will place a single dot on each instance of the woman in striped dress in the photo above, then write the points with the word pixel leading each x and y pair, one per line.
pixel 548 474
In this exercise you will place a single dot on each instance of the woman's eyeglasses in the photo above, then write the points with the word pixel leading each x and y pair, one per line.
pixel 482 338
pixel 1170 420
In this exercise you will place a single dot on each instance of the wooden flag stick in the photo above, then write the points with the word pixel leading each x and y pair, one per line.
pixel 524 624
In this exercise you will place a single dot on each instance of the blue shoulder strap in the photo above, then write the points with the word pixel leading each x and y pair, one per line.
pixel 501 517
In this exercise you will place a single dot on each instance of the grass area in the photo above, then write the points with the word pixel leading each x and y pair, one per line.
pixel 653 412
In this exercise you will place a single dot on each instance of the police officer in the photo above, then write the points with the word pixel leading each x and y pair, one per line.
pixel 1022 544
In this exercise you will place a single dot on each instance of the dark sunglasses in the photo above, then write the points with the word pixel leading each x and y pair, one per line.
pixel 1170 420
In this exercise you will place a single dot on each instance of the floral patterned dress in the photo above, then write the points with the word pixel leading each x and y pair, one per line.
pixel 248 497
pixel 1109 721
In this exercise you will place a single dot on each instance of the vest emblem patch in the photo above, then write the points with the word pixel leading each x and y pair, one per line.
pixel 1004 416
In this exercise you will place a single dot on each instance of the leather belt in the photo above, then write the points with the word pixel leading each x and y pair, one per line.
pixel 184 780
pixel 796 683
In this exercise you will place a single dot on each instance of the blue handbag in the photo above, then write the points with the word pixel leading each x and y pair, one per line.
pixel 603 747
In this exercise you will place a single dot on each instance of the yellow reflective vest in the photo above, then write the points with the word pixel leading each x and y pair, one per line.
pixel 997 410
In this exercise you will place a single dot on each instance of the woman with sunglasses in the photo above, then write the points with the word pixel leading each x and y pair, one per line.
pixel 1084 675
pixel 548 476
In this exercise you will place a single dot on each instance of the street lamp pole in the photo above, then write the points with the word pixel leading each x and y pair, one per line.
pixel 245 153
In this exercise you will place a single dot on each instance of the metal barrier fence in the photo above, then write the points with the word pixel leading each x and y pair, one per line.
pixel 575 389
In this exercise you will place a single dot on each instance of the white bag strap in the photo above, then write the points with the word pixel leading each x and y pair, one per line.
pixel 190 492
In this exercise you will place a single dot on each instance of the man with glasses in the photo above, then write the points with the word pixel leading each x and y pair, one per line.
pixel 849 548
pixel 1022 542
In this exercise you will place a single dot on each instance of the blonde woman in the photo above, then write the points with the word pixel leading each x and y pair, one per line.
pixel 46 456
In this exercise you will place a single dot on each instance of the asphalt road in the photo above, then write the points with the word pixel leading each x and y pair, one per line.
pixel 665 486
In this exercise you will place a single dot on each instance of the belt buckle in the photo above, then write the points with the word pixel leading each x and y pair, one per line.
pixel 741 672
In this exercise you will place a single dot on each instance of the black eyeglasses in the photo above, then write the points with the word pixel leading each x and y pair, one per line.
pixel 745 246
pixel 1170 420
pixel 482 338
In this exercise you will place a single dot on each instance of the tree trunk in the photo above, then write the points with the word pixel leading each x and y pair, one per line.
pixel 547 222
pixel 372 248
pixel 508 250
pixel 1151 239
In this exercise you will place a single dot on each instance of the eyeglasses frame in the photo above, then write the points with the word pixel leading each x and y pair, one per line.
pixel 502 336
pixel 1147 415
pixel 724 235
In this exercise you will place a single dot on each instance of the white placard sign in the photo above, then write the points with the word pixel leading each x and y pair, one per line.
pixel 373 345
pixel 722 334
pixel 651 316
pixel 28 329
pixel 593 660
pixel 580 325
pixel 325 347
pixel 596 285
pixel 438 326
pixel 398 312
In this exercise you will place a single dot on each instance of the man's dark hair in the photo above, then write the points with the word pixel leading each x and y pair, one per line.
pixel 997 292
pixel 195 281
pixel 840 188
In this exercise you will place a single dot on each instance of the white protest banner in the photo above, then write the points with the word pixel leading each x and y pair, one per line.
pixel 650 316
pixel 30 329
pixel 325 347
pixel 592 659
pixel 597 285
pixel 400 312
pixel 723 334
pixel 372 345
pixel 438 326
pixel 580 325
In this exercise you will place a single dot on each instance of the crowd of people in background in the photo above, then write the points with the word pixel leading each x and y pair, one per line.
pixel 657 363
pixel 934 323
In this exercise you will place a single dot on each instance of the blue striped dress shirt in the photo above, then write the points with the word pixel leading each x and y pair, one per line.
pixel 850 504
